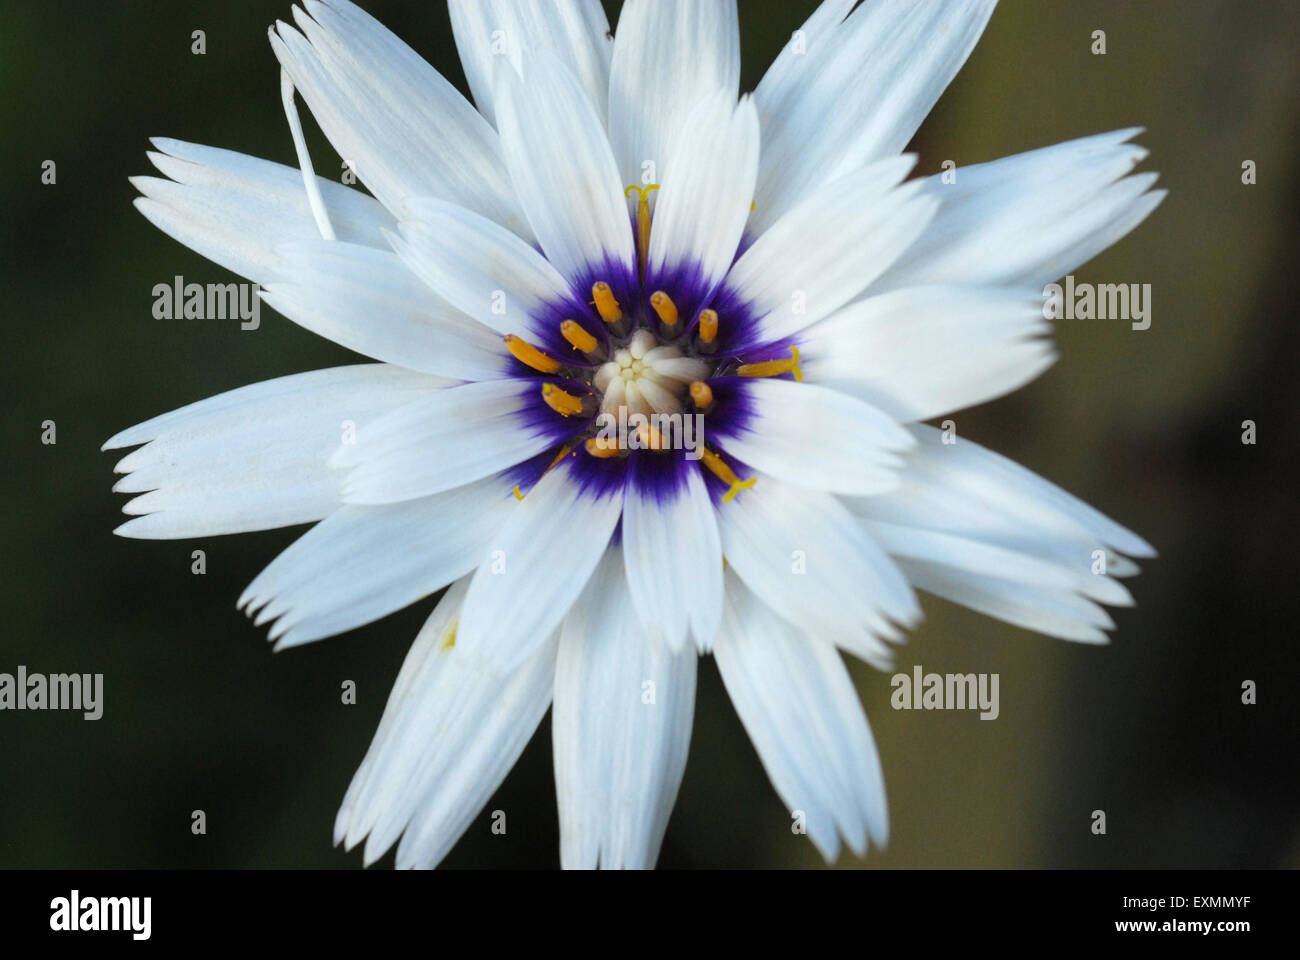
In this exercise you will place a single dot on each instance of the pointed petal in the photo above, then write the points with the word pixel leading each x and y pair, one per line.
pixel 563 171
pixel 404 130
pixel 824 253
pixel 979 530
pixel 460 435
pixel 235 209
pixel 674 559
pixel 449 735
pixel 668 55
pixel 814 566
pixel 811 435
pixel 621 728
pixel 921 352
pixel 844 94
pixel 368 301
pixel 802 713
pixel 538 565
pixel 480 268
pixel 575 31
pixel 254 458
pixel 704 198
pixel 1029 219
pixel 363 563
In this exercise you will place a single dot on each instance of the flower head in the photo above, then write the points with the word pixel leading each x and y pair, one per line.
pixel 653 364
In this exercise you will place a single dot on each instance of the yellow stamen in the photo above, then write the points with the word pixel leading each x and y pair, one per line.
pixel 562 402
pixel 606 305
pixel 773 368
pixel 702 394
pixel 449 638
pixel 642 223
pixel 602 447
pixel 718 467
pixel 664 306
pixel 708 325
pixel 527 354
pixel 564 452
pixel 577 336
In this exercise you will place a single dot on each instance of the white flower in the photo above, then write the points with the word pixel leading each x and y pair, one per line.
pixel 516 273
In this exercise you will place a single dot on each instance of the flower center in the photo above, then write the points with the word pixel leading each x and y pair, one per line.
pixel 651 364
pixel 647 376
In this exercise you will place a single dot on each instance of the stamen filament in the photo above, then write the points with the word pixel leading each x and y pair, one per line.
pixel 718 467
pixel 773 368
pixel 527 354
pixel 578 337
pixel 564 452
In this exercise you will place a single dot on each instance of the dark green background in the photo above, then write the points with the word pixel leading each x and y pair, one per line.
pixel 1146 426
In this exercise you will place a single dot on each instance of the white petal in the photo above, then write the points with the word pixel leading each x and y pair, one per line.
pixel 824 252
pixel 405 131
pixel 674 561
pixel 254 458
pixel 449 735
pixel 804 554
pixel 815 437
pixel 799 707
pixel 235 209
pixel 461 434
pixel 668 55
pixel 845 94
pixel 482 269
pixel 621 729
pixel 917 546
pixel 575 31
pixel 1054 612
pixel 704 199
pixel 368 301
pixel 564 173
pixel 1031 218
pixel 987 494
pixel 537 567
pixel 363 563
pixel 920 352
pixel 977 529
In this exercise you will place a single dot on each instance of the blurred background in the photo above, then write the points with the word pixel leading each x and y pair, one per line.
pixel 1144 425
